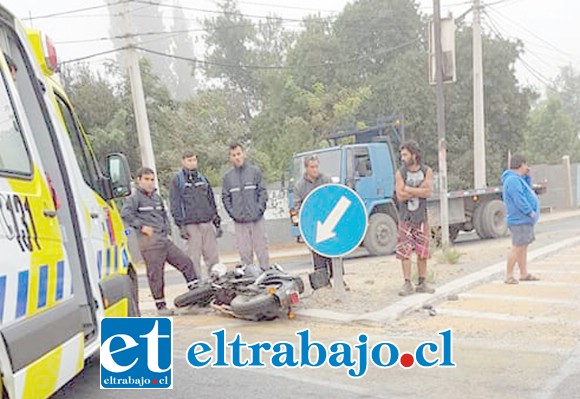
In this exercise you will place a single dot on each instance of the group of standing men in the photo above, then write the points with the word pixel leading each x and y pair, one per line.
pixel 194 210
pixel 244 197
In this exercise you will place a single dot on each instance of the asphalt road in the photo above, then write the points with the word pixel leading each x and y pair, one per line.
pixel 485 356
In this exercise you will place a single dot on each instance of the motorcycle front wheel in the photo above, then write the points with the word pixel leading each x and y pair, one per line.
pixel 201 296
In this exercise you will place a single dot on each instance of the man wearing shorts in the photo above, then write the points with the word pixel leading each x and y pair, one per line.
pixel 522 209
pixel 413 183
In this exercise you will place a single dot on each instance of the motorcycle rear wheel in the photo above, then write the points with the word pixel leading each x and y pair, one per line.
pixel 259 307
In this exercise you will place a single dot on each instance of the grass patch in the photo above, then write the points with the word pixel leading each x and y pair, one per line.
pixel 449 256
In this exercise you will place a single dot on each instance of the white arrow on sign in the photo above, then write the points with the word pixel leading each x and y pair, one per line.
pixel 325 231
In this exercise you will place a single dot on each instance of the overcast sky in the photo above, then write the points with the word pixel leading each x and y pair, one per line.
pixel 550 29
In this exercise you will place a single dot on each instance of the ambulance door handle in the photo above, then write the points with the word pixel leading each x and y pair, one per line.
pixel 49 213
pixel 94 215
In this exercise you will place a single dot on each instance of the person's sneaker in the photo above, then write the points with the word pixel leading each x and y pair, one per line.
pixel 165 312
pixel 424 288
pixel 192 284
pixel 406 289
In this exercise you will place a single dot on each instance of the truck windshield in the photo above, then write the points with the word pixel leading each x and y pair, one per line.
pixel 329 163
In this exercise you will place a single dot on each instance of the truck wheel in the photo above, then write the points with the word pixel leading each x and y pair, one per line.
pixel 199 295
pixel 256 307
pixel 494 221
pixel 381 237
pixel 437 238
pixel 477 221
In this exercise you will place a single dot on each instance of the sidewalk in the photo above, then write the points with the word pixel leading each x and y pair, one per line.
pixel 374 281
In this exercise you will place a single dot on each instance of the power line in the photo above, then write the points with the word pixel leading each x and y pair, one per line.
pixel 273 67
pixel 523 28
pixel 94 55
pixel 217 12
pixel 285 6
pixel 58 14
pixel 538 75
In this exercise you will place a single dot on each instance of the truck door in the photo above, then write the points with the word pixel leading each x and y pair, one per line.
pixel 360 175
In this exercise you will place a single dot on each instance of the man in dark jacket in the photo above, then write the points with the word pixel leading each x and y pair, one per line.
pixel 144 211
pixel 194 211
pixel 311 179
pixel 244 197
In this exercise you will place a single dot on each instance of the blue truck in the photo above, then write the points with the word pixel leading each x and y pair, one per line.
pixel 367 159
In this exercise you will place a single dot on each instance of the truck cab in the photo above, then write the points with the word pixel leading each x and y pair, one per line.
pixel 369 169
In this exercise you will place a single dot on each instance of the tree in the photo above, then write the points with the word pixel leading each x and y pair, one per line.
pixel 552 133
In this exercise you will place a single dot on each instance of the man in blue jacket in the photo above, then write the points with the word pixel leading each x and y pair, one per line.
pixel 522 208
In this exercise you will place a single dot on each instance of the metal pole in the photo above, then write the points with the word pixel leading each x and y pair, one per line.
pixel 442 145
pixel 478 109
pixel 337 280
pixel 138 96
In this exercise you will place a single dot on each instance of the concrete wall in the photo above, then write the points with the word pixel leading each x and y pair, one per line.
pixel 555 176
pixel 277 223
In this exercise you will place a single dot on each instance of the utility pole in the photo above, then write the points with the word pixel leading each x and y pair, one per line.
pixel 138 95
pixel 478 110
pixel 442 146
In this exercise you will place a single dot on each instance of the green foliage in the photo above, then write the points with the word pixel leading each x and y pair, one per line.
pixel 279 92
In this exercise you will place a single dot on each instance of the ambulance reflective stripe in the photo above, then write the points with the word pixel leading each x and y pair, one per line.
pixel 25 292
pixel 43 287
pixel 100 264
pixel 116 259
pixel 111 260
pixel 59 280
pixel 22 298
pixel 125 257
pixel 49 373
pixel 2 297
pixel 108 261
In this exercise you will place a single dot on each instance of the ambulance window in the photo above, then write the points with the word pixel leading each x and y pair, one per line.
pixel 14 157
pixel 81 150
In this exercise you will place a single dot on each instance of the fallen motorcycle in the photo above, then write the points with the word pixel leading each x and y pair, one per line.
pixel 247 292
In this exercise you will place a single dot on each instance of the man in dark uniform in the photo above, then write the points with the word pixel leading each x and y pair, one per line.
pixel 144 211
pixel 245 197
pixel 195 213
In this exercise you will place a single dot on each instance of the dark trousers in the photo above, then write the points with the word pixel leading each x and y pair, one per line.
pixel 155 258
pixel 322 263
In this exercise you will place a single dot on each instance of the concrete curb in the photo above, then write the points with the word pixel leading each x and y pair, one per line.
pixel 413 303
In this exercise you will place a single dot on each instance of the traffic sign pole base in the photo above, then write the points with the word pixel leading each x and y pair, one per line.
pixel 337 278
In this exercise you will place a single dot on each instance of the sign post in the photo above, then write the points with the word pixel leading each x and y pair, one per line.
pixel 333 223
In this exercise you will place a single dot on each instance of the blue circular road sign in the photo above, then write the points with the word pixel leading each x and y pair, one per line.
pixel 333 220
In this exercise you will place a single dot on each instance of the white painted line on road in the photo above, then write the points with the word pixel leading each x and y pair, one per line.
pixel 506 317
pixel 554 272
pixel 491 344
pixel 514 298
pixel 569 368
pixel 543 283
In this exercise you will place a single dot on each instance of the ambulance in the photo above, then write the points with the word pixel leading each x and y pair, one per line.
pixel 64 260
